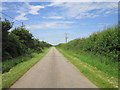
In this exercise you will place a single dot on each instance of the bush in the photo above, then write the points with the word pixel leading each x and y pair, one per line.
pixel 103 43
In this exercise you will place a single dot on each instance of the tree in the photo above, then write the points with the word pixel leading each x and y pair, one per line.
pixel 24 36
pixel 6 26
pixel 19 42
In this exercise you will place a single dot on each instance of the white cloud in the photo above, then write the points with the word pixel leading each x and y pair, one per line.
pixel 54 17
pixel 55 24
pixel 34 9
pixel 107 12
pixel 2 8
pixel 67 22
pixel 75 10
pixel 86 15
pixel 54 3
pixel 21 17
pixel 27 9
pixel 42 25
pixel 84 10
pixel 59 0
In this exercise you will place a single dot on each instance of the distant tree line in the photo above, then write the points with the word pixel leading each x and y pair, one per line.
pixel 18 41
pixel 105 43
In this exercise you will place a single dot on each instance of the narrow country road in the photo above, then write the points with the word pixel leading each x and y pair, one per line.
pixel 53 71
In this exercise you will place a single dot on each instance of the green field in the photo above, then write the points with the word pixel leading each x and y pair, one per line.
pixel 101 75
pixel 17 71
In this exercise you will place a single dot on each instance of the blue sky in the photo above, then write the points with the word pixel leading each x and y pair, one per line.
pixel 49 21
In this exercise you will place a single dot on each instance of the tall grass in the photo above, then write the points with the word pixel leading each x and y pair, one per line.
pixel 104 76
pixel 17 71
pixel 7 65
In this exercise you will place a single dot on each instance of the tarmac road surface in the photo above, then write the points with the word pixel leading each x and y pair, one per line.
pixel 53 71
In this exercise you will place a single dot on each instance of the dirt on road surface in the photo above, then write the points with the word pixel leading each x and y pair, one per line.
pixel 53 71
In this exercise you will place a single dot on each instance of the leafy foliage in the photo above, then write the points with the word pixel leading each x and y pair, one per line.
pixel 18 42
pixel 103 43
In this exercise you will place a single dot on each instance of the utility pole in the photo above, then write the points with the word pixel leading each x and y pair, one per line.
pixel 66 37
pixel 23 25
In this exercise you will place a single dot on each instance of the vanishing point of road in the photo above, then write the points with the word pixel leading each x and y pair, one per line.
pixel 53 71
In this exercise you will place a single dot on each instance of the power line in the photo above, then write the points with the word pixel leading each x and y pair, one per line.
pixel 22 25
pixel 8 16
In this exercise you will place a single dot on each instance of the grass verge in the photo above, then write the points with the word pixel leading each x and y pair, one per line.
pixel 95 74
pixel 16 72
